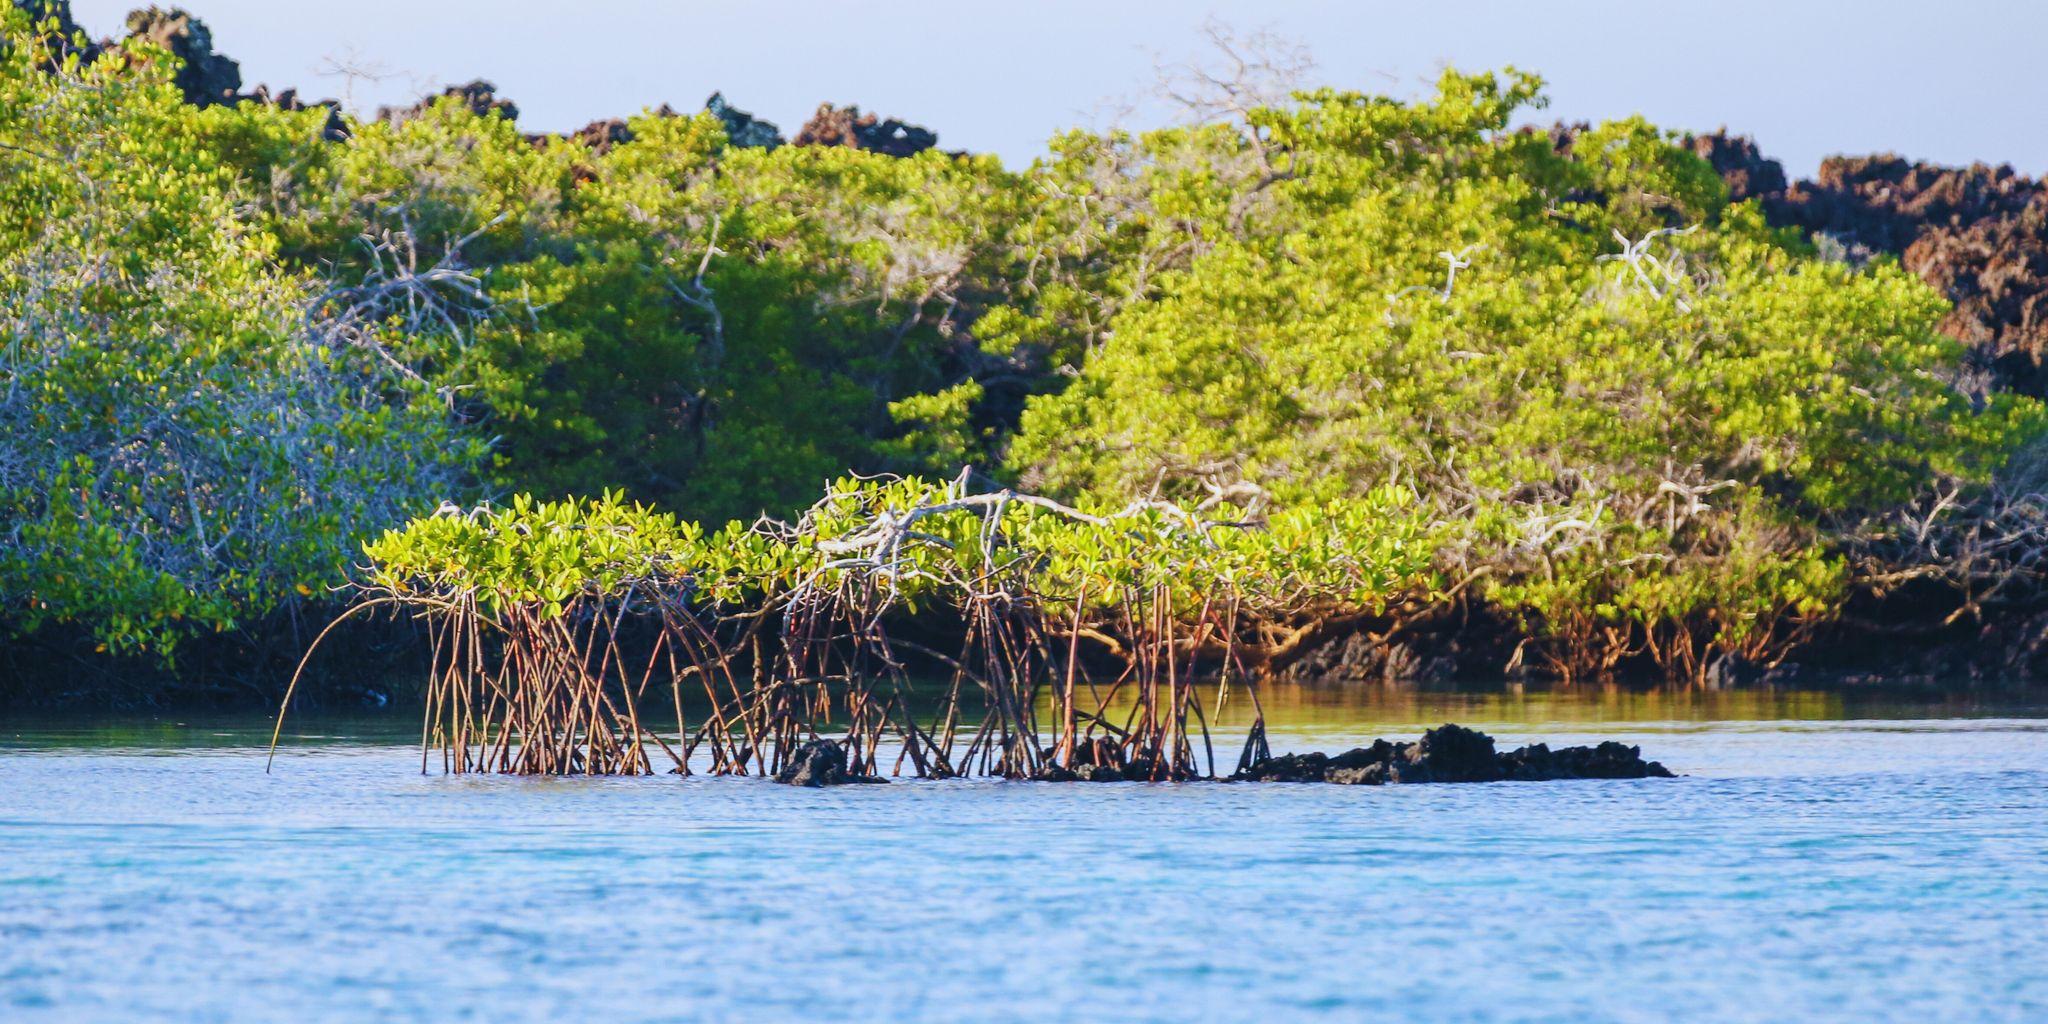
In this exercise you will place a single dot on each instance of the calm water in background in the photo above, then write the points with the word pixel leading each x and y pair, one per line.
pixel 1825 857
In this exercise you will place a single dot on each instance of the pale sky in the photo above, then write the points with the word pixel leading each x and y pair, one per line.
pixel 1954 82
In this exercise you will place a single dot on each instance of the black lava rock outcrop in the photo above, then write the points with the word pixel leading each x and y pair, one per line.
pixel 602 135
pixel 206 78
pixel 480 96
pixel 1609 760
pixel 742 128
pixel 335 130
pixel 1453 753
pixel 1979 234
pixel 821 763
pixel 1737 160
pixel 847 126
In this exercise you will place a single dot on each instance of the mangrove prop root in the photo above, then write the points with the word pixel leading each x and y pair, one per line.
pixel 564 684
pixel 523 693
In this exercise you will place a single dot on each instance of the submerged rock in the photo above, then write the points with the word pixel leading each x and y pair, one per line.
pixel 1309 767
pixel 821 763
pixel 1104 760
pixel 1080 773
pixel 1609 760
pixel 1453 753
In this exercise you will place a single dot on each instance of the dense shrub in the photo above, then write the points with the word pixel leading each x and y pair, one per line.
pixel 1625 414
pixel 1650 416
pixel 187 440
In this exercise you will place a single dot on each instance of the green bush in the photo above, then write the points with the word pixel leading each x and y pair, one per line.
pixel 1648 414
pixel 185 440
pixel 1565 373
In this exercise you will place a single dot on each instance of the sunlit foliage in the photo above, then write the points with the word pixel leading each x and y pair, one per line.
pixel 1647 413
pixel 1557 374
pixel 185 440
pixel 931 543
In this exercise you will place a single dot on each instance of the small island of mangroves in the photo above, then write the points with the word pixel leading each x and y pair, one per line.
pixel 1084 644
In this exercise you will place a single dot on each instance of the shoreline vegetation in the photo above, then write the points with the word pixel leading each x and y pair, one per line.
pixel 1314 384
pixel 553 624
pixel 556 626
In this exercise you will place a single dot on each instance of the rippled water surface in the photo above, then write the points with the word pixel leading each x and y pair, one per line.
pixel 1823 858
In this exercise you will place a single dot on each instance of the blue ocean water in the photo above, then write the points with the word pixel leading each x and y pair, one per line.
pixel 1854 868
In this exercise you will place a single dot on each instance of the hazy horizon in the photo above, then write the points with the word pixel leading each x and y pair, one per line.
pixel 1003 79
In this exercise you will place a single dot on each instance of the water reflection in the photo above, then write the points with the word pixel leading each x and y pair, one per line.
pixel 1290 707
pixel 1323 707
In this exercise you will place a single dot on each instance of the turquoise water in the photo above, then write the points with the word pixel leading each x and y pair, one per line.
pixel 1873 861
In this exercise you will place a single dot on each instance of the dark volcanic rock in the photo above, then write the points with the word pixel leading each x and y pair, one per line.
pixel 1309 767
pixel 1979 234
pixel 1996 273
pixel 1081 773
pixel 1609 760
pixel 336 128
pixel 601 136
pixel 821 763
pixel 204 77
pixel 1453 753
pixel 742 128
pixel 207 78
pixel 1888 202
pixel 1747 171
pixel 1103 760
pixel 847 126
pixel 479 96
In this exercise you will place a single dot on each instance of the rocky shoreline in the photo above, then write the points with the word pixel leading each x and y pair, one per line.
pixel 1446 754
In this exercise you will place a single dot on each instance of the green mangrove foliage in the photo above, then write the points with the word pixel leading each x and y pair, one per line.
pixel 1646 419
pixel 185 439
pixel 541 614
pixel 923 542
pixel 716 329
pixel 1633 425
